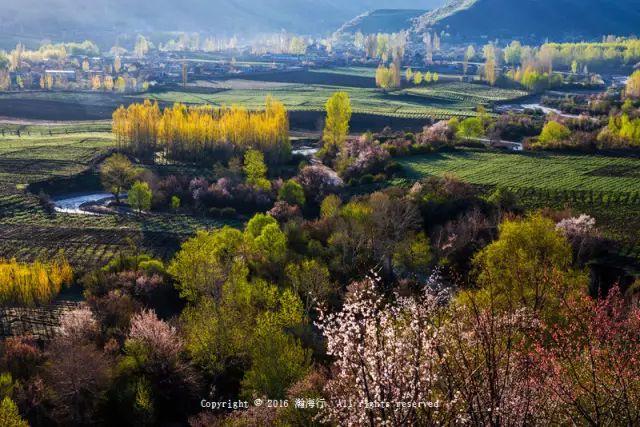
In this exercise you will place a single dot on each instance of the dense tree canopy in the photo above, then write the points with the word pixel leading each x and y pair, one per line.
pixel 292 193
pixel 256 169
pixel 31 284
pixel 554 132
pixel 526 264
pixel 470 128
pixel 198 133
pixel 9 415
pixel 633 85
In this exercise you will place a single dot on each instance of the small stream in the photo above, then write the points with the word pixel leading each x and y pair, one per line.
pixel 549 110
pixel 75 204
pixel 305 151
pixel 536 106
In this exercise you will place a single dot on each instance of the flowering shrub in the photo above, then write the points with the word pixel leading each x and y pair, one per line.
pixel 283 211
pixel 384 352
pixel 400 146
pixel 581 232
pixel 478 365
pixel 319 181
pixel 577 226
pixel 486 365
pixel 157 379
pixel 162 339
pixel 78 325
pixel 362 156
pixel 198 187
pixel 454 239
pixel 227 192
pixel 147 285
pixel 446 188
pixel 114 311
pixel 437 135
pixel 588 365
pixel 20 356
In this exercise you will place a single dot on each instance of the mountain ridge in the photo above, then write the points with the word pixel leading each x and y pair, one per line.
pixel 382 21
pixel 77 18
pixel 535 19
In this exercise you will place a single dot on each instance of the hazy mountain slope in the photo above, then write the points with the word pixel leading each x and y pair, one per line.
pixel 50 18
pixel 555 19
pixel 382 21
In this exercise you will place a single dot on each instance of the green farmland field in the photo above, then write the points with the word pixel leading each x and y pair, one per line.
pixel 439 101
pixel 369 72
pixel 68 154
pixel 603 186
pixel 313 98
pixel 542 171
pixel 28 159
pixel 466 92
pixel 300 91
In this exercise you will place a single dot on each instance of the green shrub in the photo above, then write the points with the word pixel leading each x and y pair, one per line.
pixel 366 179
pixel 175 203
pixel 228 213
pixel 292 193
pixel 140 196
pixel 554 132
pixel 152 266
pixel 392 168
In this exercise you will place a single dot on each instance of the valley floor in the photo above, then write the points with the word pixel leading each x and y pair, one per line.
pixel 61 162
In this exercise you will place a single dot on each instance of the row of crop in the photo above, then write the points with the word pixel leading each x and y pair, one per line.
pixel 40 323
pixel 468 93
pixel 588 197
pixel 400 112
pixel 78 254
pixel 536 170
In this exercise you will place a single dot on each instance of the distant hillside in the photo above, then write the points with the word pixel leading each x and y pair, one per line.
pixel 535 19
pixel 382 21
pixel 73 19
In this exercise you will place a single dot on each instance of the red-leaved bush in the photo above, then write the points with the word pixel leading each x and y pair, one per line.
pixel 588 363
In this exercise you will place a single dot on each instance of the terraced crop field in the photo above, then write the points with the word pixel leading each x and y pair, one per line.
pixel 467 92
pixel 369 72
pixel 41 129
pixel 300 91
pixel 313 98
pixel 35 157
pixel 606 187
pixel 409 103
pixel 308 90
pixel 540 171
pixel 28 232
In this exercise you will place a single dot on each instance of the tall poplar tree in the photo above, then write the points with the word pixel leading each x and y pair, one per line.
pixel 338 116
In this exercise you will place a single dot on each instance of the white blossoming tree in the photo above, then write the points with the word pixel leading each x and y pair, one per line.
pixel 386 358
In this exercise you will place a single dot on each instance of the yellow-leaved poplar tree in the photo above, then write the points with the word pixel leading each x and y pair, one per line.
pixel 338 117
